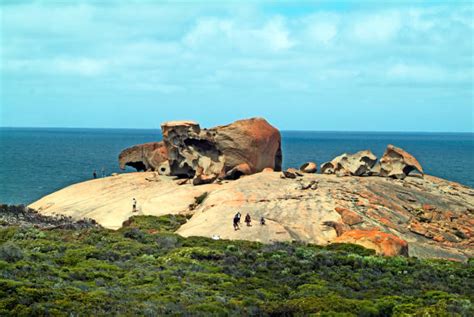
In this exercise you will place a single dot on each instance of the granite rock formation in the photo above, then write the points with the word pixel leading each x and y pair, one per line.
pixel 398 163
pixel 151 156
pixel 383 243
pixel 227 152
pixel 434 216
pixel 357 164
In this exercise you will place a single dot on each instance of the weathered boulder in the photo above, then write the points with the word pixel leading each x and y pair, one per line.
pixel 242 148
pixel 398 163
pixel 383 243
pixel 309 167
pixel 151 156
pixel 357 164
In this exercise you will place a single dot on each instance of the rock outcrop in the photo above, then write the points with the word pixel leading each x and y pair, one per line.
pixel 309 167
pixel 242 148
pixel 395 163
pixel 358 164
pixel 383 243
pixel 398 163
pixel 434 216
pixel 151 156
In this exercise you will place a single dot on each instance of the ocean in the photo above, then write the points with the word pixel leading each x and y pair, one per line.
pixel 37 161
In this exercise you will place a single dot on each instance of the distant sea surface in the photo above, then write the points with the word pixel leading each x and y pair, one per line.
pixel 36 162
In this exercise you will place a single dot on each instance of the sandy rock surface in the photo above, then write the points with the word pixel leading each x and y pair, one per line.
pixel 434 216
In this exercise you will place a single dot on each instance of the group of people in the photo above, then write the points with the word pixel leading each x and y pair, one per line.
pixel 248 220
pixel 94 174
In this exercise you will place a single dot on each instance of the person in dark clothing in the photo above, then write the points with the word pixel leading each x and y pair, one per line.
pixel 94 174
pixel 262 221
pixel 248 220
pixel 134 205
pixel 236 223
pixel 238 216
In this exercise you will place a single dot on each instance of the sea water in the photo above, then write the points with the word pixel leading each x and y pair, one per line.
pixel 35 162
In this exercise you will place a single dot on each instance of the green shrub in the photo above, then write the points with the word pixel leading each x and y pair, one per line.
pixel 10 252
pixel 144 269
pixel 350 248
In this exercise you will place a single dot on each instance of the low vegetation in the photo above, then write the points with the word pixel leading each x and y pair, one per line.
pixel 144 269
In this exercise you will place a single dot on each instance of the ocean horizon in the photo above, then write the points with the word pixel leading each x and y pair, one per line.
pixel 38 161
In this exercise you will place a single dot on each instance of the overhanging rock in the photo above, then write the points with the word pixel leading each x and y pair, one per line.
pixel 241 148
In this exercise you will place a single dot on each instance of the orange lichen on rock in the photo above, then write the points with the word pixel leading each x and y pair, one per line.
pixel 383 243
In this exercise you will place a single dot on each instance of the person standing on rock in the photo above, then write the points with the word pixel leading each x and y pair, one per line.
pixel 134 205
pixel 236 222
pixel 262 221
pixel 238 215
pixel 248 220
pixel 94 174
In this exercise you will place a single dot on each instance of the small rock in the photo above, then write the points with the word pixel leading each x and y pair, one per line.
pixel 338 226
pixel 349 217
pixel 307 185
pixel 204 179
pixel 309 167
pixel 182 181
pixel 295 171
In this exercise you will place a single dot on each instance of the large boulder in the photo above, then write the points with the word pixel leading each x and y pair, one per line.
pixel 398 163
pixel 357 164
pixel 151 156
pixel 241 148
pixel 383 243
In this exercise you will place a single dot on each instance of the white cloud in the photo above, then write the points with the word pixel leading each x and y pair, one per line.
pixel 323 32
pixel 192 46
pixel 80 66
pixel 58 66
pixel 379 27
pixel 275 34
pixel 416 72
pixel 231 34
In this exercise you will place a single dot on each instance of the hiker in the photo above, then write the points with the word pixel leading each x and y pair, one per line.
pixel 248 220
pixel 134 205
pixel 238 215
pixel 236 222
pixel 262 221
pixel 94 174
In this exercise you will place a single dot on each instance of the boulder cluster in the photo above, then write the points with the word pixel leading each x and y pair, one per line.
pixel 247 147
pixel 395 163
pixel 205 155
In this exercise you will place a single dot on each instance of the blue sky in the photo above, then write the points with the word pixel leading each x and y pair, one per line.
pixel 320 65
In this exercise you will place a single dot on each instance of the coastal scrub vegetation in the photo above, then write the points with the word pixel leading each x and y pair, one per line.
pixel 145 269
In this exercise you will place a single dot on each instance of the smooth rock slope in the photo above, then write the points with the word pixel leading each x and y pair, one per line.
pixel 434 216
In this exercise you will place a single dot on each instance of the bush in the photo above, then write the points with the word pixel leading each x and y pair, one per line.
pixel 10 252
pixel 143 269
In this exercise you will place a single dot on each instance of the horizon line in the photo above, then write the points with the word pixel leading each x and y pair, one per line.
pixel 281 130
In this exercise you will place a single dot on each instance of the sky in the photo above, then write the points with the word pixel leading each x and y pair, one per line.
pixel 319 65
